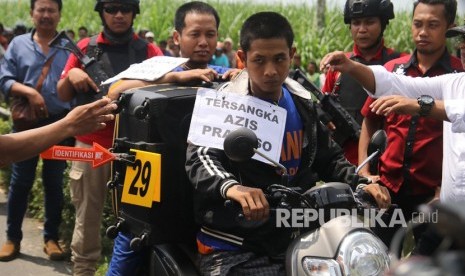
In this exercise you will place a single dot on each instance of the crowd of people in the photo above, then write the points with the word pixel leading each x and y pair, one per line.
pixel 411 171
pixel 225 54
pixel 7 34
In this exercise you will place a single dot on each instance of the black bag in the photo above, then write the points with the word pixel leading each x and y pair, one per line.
pixel 157 119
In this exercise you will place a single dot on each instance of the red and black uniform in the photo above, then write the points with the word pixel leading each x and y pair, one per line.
pixel 114 59
pixel 411 166
pixel 87 184
pixel 351 95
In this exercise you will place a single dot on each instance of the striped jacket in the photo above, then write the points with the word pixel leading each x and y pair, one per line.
pixel 212 173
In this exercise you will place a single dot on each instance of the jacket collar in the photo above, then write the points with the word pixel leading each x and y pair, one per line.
pixel 240 84
pixel 356 53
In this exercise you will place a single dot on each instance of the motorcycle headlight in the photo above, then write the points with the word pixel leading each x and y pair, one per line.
pixel 362 253
pixel 321 267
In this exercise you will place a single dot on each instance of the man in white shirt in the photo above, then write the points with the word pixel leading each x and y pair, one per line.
pixel 449 92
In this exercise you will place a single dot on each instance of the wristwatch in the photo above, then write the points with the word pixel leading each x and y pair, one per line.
pixel 426 104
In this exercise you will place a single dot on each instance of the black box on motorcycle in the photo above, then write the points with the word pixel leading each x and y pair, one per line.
pixel 155 119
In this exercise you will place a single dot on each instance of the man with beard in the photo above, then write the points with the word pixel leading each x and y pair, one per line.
pixel 115 48
pixel 367 21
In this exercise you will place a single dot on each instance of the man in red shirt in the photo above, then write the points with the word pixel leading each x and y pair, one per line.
pixel 367 20
pixel 411 166
pixel 115 48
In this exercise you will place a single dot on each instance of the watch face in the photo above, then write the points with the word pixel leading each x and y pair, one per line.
pixel 426 99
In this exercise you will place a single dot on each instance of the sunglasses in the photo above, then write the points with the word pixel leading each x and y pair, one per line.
pixel 116 9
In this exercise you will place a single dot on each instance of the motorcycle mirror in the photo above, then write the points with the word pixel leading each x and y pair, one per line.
pixel 240 144
pixel 378 142
pixel 376 147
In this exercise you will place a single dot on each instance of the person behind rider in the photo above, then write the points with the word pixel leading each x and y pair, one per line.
pixel 367 21
pixel 266 40
pixel 196 32
pixel 411 164
pixel 115 49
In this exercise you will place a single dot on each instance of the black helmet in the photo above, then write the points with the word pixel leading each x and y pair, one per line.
pixel 99 5
pixel 368 8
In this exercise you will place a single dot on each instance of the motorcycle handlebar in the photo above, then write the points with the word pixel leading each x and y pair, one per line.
pixel 236 209
pixel 282 197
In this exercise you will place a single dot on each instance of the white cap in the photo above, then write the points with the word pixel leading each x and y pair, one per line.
pixel 149 34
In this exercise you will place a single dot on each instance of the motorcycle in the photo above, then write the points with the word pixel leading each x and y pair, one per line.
pixel 153 197
pixel 336 244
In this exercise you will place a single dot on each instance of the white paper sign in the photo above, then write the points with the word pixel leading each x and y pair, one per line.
pixel 216 114
pixel 150 69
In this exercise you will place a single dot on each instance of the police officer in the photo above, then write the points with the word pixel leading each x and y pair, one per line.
pixel 115 48
pixel 367 21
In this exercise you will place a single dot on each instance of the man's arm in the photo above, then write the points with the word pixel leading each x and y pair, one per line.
pixel 65 90
pixel 331 165
pixel 182 77
pixel 83 119
pixel 371 123
pixel 212 182
pixel 35 99
pixel 406 106
pixel 377 79
pixel 455 110
pixel 76 81
pixel 338 61
pixel 438 111
pixel 172 77
pixel 369 126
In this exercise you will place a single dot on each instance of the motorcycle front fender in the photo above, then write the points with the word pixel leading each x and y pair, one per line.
pixel 321 243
